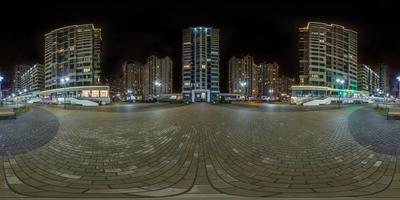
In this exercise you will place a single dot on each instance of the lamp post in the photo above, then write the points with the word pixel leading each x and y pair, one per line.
pixel 25 98
pixel 271 93
pixel 157 84
pixel 129 95
pixel 64 81
pixel 398 79
pixel 243 84
pixel 340 84
pixel 377 95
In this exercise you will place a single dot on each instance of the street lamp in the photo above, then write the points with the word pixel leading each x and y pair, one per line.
pixel 157 84
pixel 243 84
pixel 340 83
pixel 271 91
pixel 129 95
pixel 64 81
pixel 378 91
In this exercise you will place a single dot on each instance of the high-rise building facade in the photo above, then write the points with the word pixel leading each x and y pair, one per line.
pixel 284 87
pixel 32 80
pixel 243 76
pixel 268 79
pixel 132 78
pixel 73 52
pixel 157 76
pixel 327 52
pixel 382 70
pixel 17 82
pixel 200 63
pixel 368 80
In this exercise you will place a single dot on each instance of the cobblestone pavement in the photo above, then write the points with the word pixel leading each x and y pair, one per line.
pixel 27 132
pixel 209 150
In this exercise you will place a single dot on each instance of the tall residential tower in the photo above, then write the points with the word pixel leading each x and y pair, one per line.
pixel 73 52
pixel 200 63
pixel 327 52
pixel 157 75
pixel 132 78
pixel 243 76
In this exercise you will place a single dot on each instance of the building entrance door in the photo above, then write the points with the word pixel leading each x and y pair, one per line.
pixel 200 97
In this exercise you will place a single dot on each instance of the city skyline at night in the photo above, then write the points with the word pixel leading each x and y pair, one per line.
pixel 270 35
pixel 191 100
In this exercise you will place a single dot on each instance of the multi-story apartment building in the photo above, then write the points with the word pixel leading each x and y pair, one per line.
pixel 157 76
pixel 132 78
pixel 17 82
pixel 381 70
pixel 200 63
pixel 327 52
pixel 32 80
pixel 73 52
pixel 243 76
pixel 284 87
pixel 368 80
pixel 268 79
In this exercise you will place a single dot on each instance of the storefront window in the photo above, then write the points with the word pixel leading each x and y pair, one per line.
pixel 95 93
pixel 103 93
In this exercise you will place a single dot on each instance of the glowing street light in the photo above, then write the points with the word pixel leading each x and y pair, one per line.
pixel 64 81
pixel 340 83
pixel 243 85
pixel 157 84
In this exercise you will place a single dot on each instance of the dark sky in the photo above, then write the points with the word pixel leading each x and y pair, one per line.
pixel 133 30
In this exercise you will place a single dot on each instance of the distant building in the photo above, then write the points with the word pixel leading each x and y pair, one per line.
pixel 200 63
pixel 285 85
pixel 368 80
pixel 32 80
pixel 157 76
pixel 327 52
pixel 116 86
pixel 17 85
pixel 268 79
pixel 243 76
pixel 382 71
pixel 132 78
pixel 73 52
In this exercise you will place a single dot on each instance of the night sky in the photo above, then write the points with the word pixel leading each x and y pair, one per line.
pixel 134 30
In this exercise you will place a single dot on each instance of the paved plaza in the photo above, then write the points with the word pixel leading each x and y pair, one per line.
pixel 200 150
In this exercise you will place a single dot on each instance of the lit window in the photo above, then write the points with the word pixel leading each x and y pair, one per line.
pixel 95 93
pixel 103 93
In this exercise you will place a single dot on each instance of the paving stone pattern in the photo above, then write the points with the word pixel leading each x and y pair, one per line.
pixel 204 148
